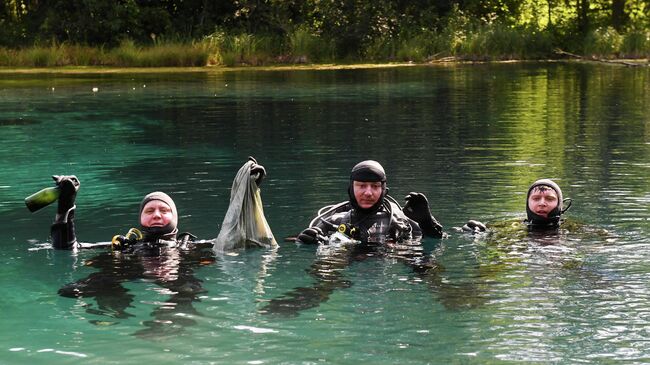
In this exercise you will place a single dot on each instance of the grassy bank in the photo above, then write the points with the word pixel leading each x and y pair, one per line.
pixel 484 43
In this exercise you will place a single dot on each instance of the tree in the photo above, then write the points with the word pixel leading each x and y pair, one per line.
pixel 583 16
pixel 619 16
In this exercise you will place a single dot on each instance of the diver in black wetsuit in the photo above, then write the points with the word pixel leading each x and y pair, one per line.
pixel 380 227
pixel 155 253
pixel 370 214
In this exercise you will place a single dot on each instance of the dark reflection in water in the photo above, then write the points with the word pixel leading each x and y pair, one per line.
pixel 331 264
pixel 18 121
pixel 171 269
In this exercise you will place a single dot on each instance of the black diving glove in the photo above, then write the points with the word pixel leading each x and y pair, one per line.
pixel 474 227
pixel 257 169
pixel 400 230
pixel 68 187
pixel 311 236
pixel 417 208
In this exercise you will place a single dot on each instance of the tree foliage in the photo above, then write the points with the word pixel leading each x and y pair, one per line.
pixel 351 25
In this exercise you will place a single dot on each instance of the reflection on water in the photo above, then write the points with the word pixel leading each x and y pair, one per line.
pixel 170 270
pixel 328 269
pixel 472 138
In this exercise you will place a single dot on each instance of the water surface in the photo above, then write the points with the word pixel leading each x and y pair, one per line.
pixel 472 138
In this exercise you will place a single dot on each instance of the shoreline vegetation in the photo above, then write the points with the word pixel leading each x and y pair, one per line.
pixel 297 33
pixel 250 52
pixel 70 69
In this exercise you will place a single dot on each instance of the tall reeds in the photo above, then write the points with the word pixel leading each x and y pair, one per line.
pixel 304 46
pixel 125 55
pixel 462 39
pixel 636 44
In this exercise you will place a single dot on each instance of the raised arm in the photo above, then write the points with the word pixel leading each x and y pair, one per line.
pixel 62 230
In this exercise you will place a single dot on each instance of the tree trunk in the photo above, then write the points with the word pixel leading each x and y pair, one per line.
pixel 583 16
pixel 619 17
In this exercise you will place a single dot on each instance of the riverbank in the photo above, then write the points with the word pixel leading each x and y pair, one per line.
pixel 331 66
pixel 487 43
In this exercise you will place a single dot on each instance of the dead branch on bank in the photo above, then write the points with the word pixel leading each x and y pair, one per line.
pixel 595 59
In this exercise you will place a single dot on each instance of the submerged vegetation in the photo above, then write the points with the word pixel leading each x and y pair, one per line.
pixel 134 33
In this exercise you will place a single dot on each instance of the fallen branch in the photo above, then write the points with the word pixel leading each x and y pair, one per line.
pixel 445 59
pixel 595 59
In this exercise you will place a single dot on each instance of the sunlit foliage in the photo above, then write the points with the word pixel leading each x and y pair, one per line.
pixel 316 30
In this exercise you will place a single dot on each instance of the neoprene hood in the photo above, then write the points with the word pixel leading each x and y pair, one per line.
pixel 554 215
pixel 367 171
pixel 166 232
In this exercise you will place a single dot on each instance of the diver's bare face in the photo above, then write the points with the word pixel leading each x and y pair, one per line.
pixel 542 200
pixel 366 193
pixel 156 213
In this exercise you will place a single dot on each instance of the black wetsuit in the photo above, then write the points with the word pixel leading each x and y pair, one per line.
pixel 168 263
pixel 388 222
pixel 383 232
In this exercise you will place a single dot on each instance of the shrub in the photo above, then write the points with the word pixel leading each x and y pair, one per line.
pixel 602 42
pixel 636 44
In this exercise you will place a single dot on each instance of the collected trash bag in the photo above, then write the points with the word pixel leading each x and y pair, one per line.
pixel 244 224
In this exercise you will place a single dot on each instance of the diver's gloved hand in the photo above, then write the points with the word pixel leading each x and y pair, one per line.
pixel 311 236
pixel 400 230
pixel 257 169
pixel 417 208
pixel 68 187
pixel 474 226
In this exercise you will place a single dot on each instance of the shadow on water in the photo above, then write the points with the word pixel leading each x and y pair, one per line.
pixel 17 121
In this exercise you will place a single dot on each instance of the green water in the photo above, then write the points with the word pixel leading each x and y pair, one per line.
pixel 472 138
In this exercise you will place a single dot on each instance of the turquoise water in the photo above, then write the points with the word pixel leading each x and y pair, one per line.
pixel 472 138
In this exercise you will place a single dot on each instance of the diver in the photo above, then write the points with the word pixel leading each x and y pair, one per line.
pixel 158 217
pixel 376 227
pixel 370 214
pixel 545 206
pixel 155 252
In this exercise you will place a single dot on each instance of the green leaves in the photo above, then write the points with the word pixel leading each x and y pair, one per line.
pixel 335 29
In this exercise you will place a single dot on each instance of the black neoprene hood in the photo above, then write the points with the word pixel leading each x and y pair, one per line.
pixel 367 171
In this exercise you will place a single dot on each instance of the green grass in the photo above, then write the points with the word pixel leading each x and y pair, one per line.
pixel 126 55
pixel 465 40
pixel 305 47
pixel 241 49
pixel 409 46
pixel 501 42
pixel 636 44
pixel 602 43
pixel 159 55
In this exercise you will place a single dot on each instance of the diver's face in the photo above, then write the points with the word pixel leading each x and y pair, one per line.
pixel 366 193
pixel 542 200
pixel 156 214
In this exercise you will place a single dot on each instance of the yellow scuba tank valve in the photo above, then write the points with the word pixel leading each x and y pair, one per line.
pixel 348 230
pixel 119 242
